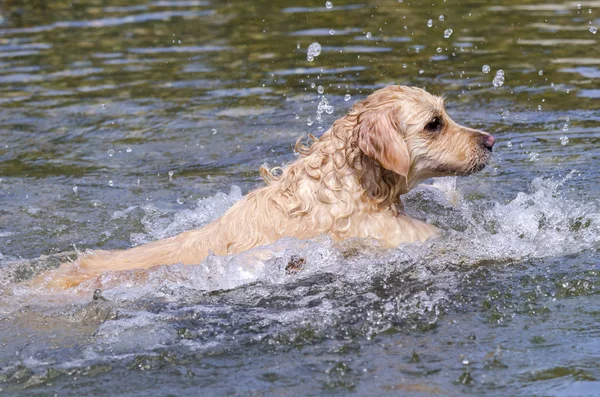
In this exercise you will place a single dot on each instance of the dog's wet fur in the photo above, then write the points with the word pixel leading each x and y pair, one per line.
pixel 347 183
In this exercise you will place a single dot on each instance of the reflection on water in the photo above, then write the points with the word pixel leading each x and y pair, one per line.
pixel 119 124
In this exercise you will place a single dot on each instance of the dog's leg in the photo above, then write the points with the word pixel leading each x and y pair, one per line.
pixel 392 231
pixel 408 230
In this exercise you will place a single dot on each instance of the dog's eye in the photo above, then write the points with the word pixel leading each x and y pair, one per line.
pixel 434 125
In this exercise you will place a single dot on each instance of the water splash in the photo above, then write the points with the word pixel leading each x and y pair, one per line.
pixel 157 222
pixel 539 224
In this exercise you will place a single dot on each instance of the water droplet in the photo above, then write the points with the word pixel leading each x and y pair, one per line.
pixel 540 107
pixel 509 144
pixel 103 106
pixel 505 114
pixel 171 173
pixel 448 33
pixel 429 23
pixel 297 46
pixel 180 200
pixel 421 71
pixel 579 6
pixel 332 32
pixel 499 78
pixel 439 49
pixel 75 190
pixel 564 140
pixel 347 97
pixel 328 5
pixel 129 150
pixel 312 85
pixel 309 121
pixel 541 72
pixel 465 361
pixel 320 89
pixel 110 183
pixel 441 18
pixel 329 109
pixel 297 116
pixel 214 131
pixel 486 68
pixel 368 35
pixel 110 152
pixel 593 29
pixel 404 65
pixel 314 50
pixel 322 107
pixel 533 156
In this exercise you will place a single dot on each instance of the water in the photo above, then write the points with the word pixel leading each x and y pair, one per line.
pixel 124 124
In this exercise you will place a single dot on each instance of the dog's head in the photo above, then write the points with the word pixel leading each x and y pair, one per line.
pixel 407 131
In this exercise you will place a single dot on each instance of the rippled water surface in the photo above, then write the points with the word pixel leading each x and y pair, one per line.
pixel 125 123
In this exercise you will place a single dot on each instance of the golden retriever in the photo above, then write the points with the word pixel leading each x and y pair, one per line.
pixel 347 183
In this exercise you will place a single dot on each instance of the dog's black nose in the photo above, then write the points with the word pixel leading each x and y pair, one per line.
pixel 488 141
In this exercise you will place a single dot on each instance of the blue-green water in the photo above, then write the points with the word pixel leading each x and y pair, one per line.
pixel 124 123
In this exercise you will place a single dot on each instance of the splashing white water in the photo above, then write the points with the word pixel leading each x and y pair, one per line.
pixel 539 224
pixel 158 225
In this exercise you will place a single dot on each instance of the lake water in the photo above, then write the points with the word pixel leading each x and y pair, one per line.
pixel 121 124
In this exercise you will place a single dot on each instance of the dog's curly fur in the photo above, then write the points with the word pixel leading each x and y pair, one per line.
pixel 347 183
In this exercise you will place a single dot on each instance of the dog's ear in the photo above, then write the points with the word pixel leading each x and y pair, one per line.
pixel 380 138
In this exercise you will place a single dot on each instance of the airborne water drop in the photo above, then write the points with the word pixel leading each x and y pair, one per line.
pixel 314 50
